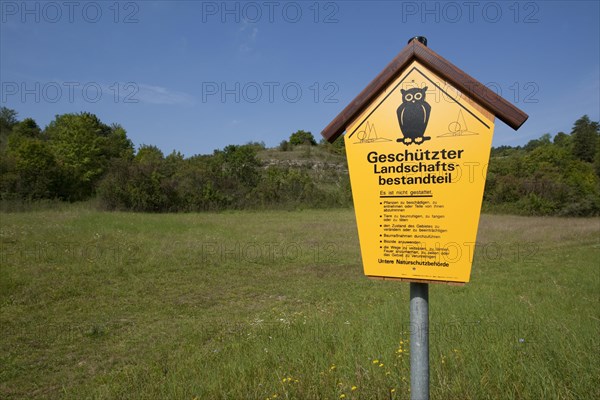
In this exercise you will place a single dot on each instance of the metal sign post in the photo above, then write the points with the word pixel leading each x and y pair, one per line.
pixel 419 341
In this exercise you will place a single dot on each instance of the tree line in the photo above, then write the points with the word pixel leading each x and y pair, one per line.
pixel 78 157
pixel 551 175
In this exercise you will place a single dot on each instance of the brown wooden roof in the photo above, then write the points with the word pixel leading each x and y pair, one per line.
pixel 477 91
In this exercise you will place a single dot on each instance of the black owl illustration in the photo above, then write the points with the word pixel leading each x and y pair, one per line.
pixel 413 116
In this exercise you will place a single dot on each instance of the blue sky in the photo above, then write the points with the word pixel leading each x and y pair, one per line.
pixel 195 76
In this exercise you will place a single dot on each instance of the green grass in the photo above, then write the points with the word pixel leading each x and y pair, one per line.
pixel 256 305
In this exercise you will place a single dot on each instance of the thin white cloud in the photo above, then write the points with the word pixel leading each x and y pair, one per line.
pixel 244 48
pixel 254 34
pixel 160 95
pixel 248 36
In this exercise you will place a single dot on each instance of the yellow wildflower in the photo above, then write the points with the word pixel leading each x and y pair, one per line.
pixel 342 396
pixel 354 388
pixel 375 361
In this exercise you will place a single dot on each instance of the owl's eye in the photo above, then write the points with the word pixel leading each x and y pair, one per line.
pixel 418 96
pixel 409 97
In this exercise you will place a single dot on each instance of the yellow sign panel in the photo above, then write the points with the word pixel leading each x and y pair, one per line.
pixel 417 158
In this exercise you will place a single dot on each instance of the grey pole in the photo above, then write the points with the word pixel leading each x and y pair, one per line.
pixel 419 328
pixel 419 341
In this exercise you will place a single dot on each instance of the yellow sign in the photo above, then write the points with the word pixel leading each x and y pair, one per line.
pixel 417 157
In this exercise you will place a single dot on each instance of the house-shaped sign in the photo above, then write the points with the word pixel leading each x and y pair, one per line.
pixel 418 142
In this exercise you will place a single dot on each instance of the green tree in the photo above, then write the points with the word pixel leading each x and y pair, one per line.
pixel 79 144
pixel 142 183
pixel 149 154
pixel 302 137
pixel 585 138
pixel 145 184
pixel 8 119
pixel 504 151
pixel 284 145
pixel 35 168
pixel 597 158
pixel 27 128
pixel 533 144
pixel 561 139
pixel 239 166
pixel 545 180
pixel 199 182
pixel 114 188
pixel 29 170
pixel 116 144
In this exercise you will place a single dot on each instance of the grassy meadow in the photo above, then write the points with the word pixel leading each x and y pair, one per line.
pixel 265 305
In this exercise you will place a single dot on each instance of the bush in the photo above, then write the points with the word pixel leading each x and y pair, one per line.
pixel 285 146
pixel 302 137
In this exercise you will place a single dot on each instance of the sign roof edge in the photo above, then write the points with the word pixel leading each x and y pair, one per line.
pixel 478 92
